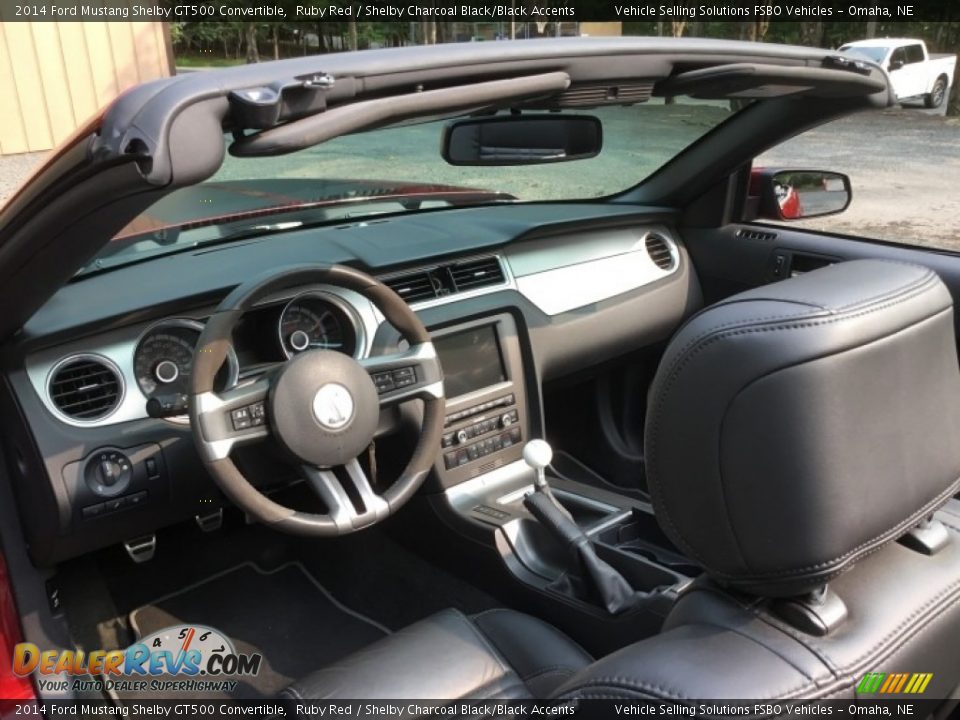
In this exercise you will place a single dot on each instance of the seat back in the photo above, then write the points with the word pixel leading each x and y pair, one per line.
pixel 800 437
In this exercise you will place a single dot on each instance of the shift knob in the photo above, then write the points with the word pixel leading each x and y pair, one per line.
pixel 537 454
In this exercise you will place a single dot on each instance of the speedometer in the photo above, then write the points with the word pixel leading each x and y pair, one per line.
pixel 314 321
pixel 163 359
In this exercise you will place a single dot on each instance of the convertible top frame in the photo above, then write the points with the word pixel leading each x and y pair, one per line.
pixel 167 134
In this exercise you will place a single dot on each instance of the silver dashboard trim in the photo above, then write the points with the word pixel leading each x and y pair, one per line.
pixel 95 357
pixel 118 347
pixel 233 364
pixel 585 273
pixel 346 308
pixel 509 478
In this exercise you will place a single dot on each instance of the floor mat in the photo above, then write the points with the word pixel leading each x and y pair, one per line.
pixel 284 615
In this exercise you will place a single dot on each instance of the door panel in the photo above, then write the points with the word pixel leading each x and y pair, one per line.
pixel 742 256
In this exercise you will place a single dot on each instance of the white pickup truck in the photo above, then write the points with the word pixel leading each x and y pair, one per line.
pixel 914 73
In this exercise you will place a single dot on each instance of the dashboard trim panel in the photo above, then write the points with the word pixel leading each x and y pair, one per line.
pixel 118 349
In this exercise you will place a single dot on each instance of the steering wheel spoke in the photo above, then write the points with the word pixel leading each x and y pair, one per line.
pixel 323 407
pixel 405 375
pixel 348 513
pixel 231 418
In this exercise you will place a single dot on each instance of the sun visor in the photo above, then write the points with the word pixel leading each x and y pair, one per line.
pixel 756 81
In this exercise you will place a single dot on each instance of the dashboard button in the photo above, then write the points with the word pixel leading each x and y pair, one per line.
pixel 240 418
pixel 136 499
pixel 92 511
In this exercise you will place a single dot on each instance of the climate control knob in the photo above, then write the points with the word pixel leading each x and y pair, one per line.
pixel 506 420
pixel 462 437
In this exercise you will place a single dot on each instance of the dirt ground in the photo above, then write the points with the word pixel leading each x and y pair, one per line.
pixel 904 165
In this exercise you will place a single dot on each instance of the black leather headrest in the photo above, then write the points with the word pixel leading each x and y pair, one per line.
pixel 794 428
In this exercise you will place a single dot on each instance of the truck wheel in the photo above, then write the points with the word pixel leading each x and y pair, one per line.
pixel 935 97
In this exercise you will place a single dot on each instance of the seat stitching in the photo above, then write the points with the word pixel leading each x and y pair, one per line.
pixel 487 644
pixel 565 638
pixel 810 683
pixel 679 365
pixel 885 535
pixel 899 629
pixel 557 669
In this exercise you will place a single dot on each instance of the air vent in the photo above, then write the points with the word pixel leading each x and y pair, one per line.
pixel 474 274
pixel 414 287
pixel 422 285
pixel 85 388
pixel 659 251
pixel 756 235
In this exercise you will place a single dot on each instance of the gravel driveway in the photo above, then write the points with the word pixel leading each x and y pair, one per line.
pixel 904 166
pixel 14 169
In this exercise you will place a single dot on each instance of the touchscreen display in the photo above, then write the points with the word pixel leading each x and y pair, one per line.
pixel 470 360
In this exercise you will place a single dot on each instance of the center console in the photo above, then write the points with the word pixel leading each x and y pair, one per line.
pixel 486 422
pixel 484 480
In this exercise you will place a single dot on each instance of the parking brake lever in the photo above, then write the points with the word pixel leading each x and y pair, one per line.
pixel 598 578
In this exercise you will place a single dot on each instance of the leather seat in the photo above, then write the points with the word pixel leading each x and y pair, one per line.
pixel 803 446
pixel 496 654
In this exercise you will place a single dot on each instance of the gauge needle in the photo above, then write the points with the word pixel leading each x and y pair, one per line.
pixel 186 644
pixel 187 639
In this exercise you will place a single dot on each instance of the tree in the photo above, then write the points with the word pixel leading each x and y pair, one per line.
pixel 250 34
pixel 352 27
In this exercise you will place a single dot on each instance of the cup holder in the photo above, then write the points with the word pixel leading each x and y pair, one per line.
pixel 640 535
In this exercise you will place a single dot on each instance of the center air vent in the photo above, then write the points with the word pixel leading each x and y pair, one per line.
pixel 473 274
pixel 419 286
pixel 413 287
pixel 85 388
pixel 659 251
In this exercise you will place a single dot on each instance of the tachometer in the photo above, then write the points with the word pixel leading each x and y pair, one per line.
pixel 163 360
pixel 314 321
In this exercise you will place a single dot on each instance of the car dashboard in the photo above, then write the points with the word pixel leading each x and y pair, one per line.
pixel 513 296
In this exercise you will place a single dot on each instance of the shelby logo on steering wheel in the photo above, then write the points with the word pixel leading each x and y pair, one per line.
pixel 186 650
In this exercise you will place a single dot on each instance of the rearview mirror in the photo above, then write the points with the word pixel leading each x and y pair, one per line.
pixel 521 140
pixel 798 194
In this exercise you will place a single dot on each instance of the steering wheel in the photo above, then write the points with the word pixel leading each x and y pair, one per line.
pixel 321 406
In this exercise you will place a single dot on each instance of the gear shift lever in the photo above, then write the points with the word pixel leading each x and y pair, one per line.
pixel 588 574
pixel 537 454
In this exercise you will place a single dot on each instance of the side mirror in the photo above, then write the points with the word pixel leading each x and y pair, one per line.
pixel 521 139
pixel 895 65
pixel 798 194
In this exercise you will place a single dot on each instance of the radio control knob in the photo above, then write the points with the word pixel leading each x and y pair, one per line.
pixel 506 420
pixel 461 437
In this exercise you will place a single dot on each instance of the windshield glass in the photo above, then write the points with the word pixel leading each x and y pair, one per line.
pixel 398 170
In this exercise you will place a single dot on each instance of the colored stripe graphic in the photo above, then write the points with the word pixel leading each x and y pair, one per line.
pixel 894 683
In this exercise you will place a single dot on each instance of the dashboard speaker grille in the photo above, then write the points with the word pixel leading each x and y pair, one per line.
pixel 85 388
pixel 659 251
